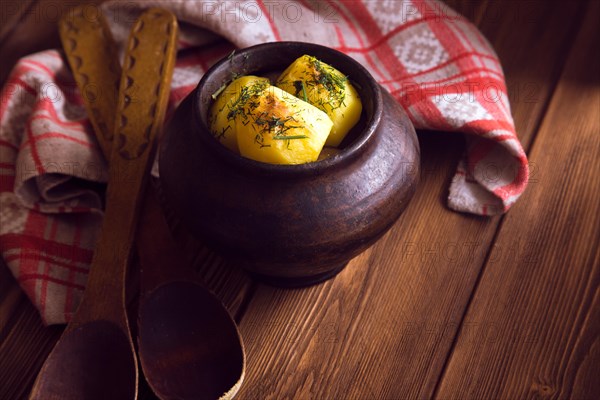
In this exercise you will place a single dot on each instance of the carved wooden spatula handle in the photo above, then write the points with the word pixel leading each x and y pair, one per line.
pixel 94 60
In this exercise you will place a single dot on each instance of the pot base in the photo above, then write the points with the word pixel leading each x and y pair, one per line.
pixel 297 282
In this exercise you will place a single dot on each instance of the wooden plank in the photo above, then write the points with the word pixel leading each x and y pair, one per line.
pixel 383 310
pixel 529 80
pixel 11 13
pixel 10 297
pixel 533 327
pixel 24 350
pixel 474 11
pixel 384 326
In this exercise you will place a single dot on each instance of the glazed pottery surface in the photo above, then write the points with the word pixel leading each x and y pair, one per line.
pixel 290 225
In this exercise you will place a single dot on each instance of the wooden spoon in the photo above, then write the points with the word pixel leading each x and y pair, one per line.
pixel 95 357
pixel 189 345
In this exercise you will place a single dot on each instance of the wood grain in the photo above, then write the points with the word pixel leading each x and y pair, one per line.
pixel 13 11
pixel 383 327
pixel 523 34
pixel 533 327
pixel 23 350
pixel 93 57
pixel 10 295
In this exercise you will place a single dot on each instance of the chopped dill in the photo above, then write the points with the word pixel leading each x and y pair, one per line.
pixel 300 88
pixel 218 91
pixel 290 137
pixel 277 127
pixel 222 133
pixel 248 96
pixel 260 140
pixel 245 109
pixel 329 83
pixel 234 74
pixel 335 84
pixel 269 123
pixel 304 92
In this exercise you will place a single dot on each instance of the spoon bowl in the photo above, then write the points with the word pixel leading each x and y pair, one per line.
pixel 92 361
pixel 188 345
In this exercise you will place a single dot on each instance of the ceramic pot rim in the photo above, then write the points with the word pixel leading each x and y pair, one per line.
pixel 372 89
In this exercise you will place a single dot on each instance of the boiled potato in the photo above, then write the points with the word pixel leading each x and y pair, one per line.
pixel 328 89
pixel 222 115
pixel 275 127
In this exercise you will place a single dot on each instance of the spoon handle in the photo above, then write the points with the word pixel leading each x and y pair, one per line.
pixel 94 59
pixel 141 106
pixel 161 258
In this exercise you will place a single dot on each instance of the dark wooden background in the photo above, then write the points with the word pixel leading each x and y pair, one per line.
pixel 446 305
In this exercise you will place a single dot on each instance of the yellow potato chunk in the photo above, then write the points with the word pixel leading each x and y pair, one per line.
pixel 275 127
pixel 222 114
pixel 326 88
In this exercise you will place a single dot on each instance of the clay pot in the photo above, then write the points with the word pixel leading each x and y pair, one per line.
pixel 290 225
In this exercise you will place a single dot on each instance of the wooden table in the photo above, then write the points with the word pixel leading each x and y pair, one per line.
pixel 446 305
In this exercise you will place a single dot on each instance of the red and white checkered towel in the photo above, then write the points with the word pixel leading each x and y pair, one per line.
pixel 434 62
